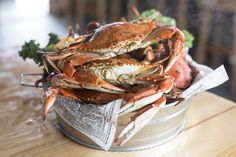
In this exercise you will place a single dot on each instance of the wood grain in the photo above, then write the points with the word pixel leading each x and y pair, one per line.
pixel 210 131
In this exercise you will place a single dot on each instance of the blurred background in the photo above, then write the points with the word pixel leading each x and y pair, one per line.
pixel 212 22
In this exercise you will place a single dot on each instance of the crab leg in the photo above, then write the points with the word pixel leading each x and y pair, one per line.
pixel 169 33
pixel 85 80
pixel 76 60
pixel 177 49
pixel 147 96
pixel 150 55
pixel 49 99
pixel 50 57
pixel 139 120
pixel 140 99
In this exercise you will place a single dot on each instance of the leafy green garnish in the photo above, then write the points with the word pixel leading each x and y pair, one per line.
pixel 53 38
pixel 188 39
pixel 151 14
pixel 166 20
pixel 155 15
pixel 31 50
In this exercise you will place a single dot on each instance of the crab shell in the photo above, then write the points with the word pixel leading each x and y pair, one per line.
pixel 117 38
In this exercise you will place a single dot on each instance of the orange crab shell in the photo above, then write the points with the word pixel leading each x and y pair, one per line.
pixel 112 35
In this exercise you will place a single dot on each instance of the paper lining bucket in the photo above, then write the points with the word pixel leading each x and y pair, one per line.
pixel 168 123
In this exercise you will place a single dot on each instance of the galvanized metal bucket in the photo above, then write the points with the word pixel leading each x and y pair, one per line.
pixel 168 123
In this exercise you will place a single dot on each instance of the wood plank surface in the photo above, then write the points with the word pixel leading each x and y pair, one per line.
pixel 205 134
pixel 209 131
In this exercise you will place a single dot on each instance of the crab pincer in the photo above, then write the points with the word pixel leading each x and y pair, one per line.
pixel 147 96
pixel 84 80
pixel 140 99
pixel 81 80
pixel 49 100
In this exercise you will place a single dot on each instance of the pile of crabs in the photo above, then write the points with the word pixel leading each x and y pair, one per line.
pixel 141 62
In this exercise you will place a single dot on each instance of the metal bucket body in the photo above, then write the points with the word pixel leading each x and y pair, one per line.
pixel 168 123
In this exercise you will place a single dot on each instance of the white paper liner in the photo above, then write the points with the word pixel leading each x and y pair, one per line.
pixel 205 79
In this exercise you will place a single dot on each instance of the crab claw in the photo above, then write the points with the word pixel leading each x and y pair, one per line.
pixel 91 81
pixel 140 99
pixel 83 79
pixel 170 33
pixel 178 47
pixel 50 98
pixel 139 120
pixel 166 85
pixel 147 96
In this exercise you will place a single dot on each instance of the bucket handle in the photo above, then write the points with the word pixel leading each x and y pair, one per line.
pixel 24 75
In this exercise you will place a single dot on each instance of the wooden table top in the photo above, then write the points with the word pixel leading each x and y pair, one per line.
pixel 209 131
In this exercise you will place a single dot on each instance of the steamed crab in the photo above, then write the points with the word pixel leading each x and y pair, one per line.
pixel 90 63
pixel 105 76
pixel 115 39
pixel 122 72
